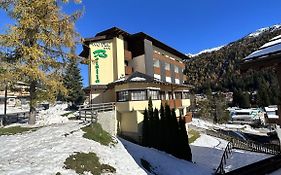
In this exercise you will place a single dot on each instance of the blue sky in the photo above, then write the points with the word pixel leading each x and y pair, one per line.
pixel 187 25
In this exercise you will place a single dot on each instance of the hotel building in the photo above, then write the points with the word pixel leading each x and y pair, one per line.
pixel 129 69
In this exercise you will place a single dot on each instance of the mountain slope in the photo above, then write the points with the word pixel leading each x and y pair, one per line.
pixel 219 69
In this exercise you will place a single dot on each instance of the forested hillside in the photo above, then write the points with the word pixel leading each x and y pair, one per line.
pixel 220 69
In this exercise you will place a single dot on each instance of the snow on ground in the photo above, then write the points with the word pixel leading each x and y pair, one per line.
pixel 163 163
pixel 244 128
pixel 44 152
pixel 261 30
pixel 206 51
pixel 12 109
pixel 52 115
pixel 207 151
pixel 242 158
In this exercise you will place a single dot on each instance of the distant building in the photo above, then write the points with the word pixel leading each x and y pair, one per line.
pixel 271 116
pixel 131 68
pixel 250 116
pixel 269 55
pixel 19 92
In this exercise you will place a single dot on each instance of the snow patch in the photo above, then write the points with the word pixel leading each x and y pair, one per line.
pixel 207 151
pixel 52 115
pixel 205 51
pixel 138 79
pixel 164 163
pixel 45 150
pixel 261 30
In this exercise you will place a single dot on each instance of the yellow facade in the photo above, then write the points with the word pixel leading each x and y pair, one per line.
pixel 118 51
pixel 185 102
pixel 107 61
pixel 136 105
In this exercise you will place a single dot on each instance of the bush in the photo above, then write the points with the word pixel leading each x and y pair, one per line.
pixel 87 162
pixel 96 133
pixel 15 130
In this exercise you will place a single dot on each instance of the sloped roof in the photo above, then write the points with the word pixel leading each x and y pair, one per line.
pixel 267 55
pixel 115 32
pixel 138 77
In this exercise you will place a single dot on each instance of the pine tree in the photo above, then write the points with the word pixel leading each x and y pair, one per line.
pixel 245 100
pixel 41 34
pixel 155 133
pixel 168 134
pixel 262 95
pixel 175 135
pixel 73 83
pixel 163 129
pixel 150 123
pixel 185 151
pixel 145 129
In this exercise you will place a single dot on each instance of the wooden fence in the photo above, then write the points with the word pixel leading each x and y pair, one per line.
pixel 241 144
pixel 91 111
pixel 247 144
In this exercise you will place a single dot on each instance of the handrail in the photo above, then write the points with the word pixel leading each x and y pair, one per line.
pixel 225 155
pixel 247 145
pixel 94 109
pixel 95 105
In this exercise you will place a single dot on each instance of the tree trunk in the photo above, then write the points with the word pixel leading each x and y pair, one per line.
pixel 32 112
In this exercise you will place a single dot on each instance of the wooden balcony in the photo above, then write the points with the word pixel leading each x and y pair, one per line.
pixel 128 55
pixel 128 70
pixel 176 103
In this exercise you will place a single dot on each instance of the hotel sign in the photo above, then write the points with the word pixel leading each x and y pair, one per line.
pixel 101 62
pixel 98 54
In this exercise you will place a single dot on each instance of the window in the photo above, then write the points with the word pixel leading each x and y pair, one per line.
pixel 176 69
pixel 168 79
pixel 170 95
pixel 138 95
pixel 162 95
pixel 185 95
pixel 122 96
pixel 156 63
pixel 181 112
pixel 154 94
pixel 167 66
pixel 178 95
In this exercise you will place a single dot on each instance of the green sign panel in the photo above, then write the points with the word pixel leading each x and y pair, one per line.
pixel 99 54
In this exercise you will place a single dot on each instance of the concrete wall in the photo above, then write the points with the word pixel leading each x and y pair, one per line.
pixel 108 121
pixel 119 58
pixel 131 124
pixel 148 50
pixel 138 63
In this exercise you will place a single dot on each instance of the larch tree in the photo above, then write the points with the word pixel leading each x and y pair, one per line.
pixel 38 42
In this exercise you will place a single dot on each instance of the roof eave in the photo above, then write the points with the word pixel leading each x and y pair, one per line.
pixel 262 61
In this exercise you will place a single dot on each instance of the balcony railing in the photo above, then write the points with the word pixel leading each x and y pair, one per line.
pixel 174 103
